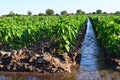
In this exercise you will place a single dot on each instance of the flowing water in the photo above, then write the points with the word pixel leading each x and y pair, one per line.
pixel 89 51
pixel 92 66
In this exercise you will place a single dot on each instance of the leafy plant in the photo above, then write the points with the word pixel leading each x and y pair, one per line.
pixel 22 31
pixel 108 33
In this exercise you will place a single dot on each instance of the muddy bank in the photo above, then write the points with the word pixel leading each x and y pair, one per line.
pixel 41 57
pixel 36 76
pixel 112 60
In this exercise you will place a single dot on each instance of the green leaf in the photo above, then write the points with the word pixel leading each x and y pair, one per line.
pixel 67 47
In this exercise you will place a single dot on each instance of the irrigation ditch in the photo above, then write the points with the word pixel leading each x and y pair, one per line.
pixel 86 62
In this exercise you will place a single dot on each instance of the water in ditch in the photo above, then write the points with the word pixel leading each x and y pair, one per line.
pixel 89 51
pixel 92 66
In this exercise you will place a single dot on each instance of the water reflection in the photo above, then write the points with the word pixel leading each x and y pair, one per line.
pixel 89 50
pixel 32 78
pixel 18 77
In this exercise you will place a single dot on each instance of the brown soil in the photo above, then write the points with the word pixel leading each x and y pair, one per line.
pixel 43 76
pixel 112 60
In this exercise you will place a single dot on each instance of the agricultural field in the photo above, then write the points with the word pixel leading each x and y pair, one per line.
pixel 107 29
pixel 50 39
pixel 40 43
pixel 22 31
pixel 60 40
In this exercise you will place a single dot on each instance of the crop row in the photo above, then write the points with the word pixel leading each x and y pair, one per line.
pixel 22 31
pixel 107 29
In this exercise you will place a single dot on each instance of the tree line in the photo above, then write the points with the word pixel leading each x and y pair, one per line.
pixel 51 12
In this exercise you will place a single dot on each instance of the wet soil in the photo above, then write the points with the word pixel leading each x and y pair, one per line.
pixel 36 76
pixel 111 59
